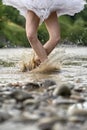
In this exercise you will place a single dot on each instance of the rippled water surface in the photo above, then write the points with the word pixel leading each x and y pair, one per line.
pixel 73 60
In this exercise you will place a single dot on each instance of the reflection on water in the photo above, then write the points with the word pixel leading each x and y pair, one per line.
pixel 73 60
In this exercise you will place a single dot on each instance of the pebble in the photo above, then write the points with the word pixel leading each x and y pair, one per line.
pixel 78 98
pixel 47 123
pixel 26 117
pixel 58 126
pixel 75 111
pixel 4 116
pixel 12 126
pixel 63 101
pixel 79 89
pixel 62 90
pixel 76 119
pixel 30 102
pixel 51 88
pixel 48 109
pixel 47 83
pixel 31 86
pixel 21 95
pixel 31 116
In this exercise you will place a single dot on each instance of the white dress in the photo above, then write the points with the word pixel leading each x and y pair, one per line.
pixel 43 8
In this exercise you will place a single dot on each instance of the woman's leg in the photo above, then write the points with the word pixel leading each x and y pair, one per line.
pixel 32 23
pixel 54 32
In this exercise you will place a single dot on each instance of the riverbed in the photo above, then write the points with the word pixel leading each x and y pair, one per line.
pixel 55 108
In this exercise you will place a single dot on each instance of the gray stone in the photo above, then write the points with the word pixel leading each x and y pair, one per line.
pixel 47 122
pixel 4 116
pixel 21 95
pixel 47 83
pixel 31 86
pixel 62 90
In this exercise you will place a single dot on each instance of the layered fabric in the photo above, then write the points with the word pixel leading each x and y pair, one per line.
pixel 43 8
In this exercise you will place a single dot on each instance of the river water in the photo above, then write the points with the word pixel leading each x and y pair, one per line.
pixel 73 60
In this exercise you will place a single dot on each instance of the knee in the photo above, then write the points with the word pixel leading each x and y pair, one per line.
pixel 31 36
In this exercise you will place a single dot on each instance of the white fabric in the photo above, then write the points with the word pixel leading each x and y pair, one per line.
pixel 43 8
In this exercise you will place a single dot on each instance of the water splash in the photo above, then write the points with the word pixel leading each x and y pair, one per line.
pixel 52 64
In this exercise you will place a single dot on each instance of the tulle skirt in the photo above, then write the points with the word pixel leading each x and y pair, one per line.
pixel 43 8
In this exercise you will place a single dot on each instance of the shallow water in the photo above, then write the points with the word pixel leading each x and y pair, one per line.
pixel 73 60
pixel 72 110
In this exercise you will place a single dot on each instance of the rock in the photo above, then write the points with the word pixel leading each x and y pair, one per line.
pixel 32 117
pixel 58 126
pixel 21 95
pixel 6 88
pixel 63 101
pixel 26 117
pixel 77 111
pixel 79 80
pixel 46 123
pixel 51 88
pixel 17 84
pixel 4 116
pixel 30 102
pixel 84 65
pixel 78 98
pixel 79 89
pixel 15 126
pixel 62 90
pixel 76 119
pixel 31 86
pixel 47 83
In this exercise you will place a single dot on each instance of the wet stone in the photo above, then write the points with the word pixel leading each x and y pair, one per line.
pixel 6 88
pixel 31 86
pixel 76 119
pixel 0 104
pixel 21 95
pixel 16 126
pixel 47 83
pixel 62 90
pixel 4 116
pixel 47 123
pixel 51 88
pixel 27 118
pixel 58 126
pixel 32 117
pixel 1 87
pixel 78 112
pixel 19 106
pixel 84 65
pixel 63 101
pixel 17 84
pixel 8 85
pixel 79 89
pixel 29 102
pixel 6 94
pixel 70 126
pixel 78 98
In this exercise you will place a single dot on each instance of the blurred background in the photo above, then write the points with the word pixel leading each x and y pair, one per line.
pixel 12 28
